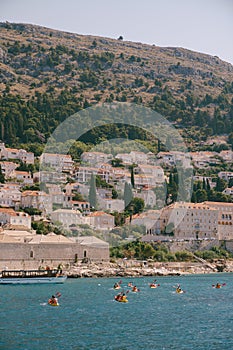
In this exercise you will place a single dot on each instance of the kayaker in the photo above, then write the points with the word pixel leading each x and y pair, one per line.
pixel 53 300
pixel 178 289
pixel 116 286
pixel 134 289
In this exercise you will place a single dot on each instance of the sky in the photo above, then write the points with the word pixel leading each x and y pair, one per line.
pixel 200 25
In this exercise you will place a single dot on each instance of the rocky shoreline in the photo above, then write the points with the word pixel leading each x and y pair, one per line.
pixel 140 269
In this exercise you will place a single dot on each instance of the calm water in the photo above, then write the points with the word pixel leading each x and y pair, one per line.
pixel 89 318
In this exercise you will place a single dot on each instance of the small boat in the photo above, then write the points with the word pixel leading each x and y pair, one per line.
pixel 31 276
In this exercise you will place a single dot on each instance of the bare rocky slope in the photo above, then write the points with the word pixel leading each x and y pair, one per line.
pixel 34 58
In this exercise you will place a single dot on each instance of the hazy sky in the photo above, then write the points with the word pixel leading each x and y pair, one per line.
pixel 200 25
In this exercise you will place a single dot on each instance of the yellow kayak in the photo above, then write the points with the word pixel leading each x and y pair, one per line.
pixel 50 302
pixel 121 300
pixel 179 291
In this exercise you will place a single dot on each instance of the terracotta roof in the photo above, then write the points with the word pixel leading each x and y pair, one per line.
pixel 218 203
pixel 50 238
pixel 99 213
pixel 7 211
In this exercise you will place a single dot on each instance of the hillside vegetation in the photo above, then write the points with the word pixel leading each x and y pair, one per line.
pixel 47 75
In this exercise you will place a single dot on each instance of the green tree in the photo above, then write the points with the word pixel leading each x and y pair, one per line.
pixel 132 176
pixel 2 178
pixel 137 205
pixel 201 195
pixel 128 194
pixel 220 185
pixel 92 193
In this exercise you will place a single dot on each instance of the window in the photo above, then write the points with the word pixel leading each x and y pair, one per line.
pixel 85 254
pixel 31 254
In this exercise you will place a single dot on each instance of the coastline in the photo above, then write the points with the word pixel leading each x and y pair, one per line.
pixel 140 269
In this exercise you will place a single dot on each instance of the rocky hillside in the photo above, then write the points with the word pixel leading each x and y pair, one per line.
pixel 188 87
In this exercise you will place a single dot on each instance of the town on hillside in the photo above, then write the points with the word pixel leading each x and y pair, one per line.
pixel 75 210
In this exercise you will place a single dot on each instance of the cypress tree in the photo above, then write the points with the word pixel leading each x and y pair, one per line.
pixel 132 177
pixel 2 178
pixel 92 193
pixel 128 194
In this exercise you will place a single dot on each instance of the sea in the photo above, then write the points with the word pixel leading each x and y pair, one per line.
pixel 88 317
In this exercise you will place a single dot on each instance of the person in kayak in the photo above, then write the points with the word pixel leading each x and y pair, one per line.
pixel 53 300
pixel 120 297
pixel 116 286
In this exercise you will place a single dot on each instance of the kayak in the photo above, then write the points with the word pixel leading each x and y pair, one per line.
pixel 52 303
pixel 117 287
pixel 179 291
pixel 135 290
pixel 121 300
pixel 153 285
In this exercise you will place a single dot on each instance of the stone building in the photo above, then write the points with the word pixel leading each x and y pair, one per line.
pixel 67 217
pixel 100 220
pixel 34 250
pixel 225 218
pixel 190 220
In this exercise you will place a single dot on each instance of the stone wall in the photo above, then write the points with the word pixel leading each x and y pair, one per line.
pixel 31 256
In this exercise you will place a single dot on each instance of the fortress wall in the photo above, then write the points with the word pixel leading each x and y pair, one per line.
pixel 31 256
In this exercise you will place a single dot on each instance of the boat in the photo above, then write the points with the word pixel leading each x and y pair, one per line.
pixel 153 285
pixel 31 276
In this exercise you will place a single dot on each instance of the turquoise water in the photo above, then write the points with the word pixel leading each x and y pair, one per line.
pixel 89 318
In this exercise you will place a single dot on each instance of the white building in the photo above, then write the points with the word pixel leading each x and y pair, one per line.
pixel 9 196
pixel 95 158
pixel 153 171
pixel 38 200
pixel 67 217
pixel 24 177
pixel 190 220
pixel 100 220
pixel 225 218
pixel 15 219
pixel 225 175
pixel 8 169
pixel 111 204
pixel 58 162
pixel 13 153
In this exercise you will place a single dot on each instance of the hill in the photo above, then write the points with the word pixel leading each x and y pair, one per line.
pixel 47 75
